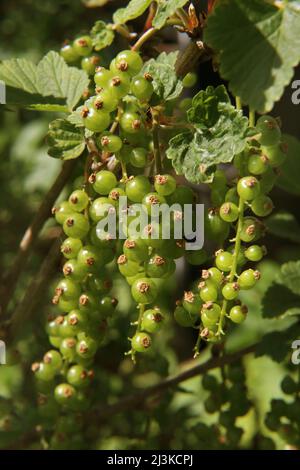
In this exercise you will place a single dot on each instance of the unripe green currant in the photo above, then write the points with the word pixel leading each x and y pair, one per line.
pixel 144 290
pixel 183 317
pixel 224 260
pixel 269 131
pixel 211 310
pixel 248 279
pixel 141 342
pixel 255 253
pixel 152 320
pixel 208 291
pixel 238 313
pixel 229 212
pixel 262 205
pixel 248 188
pixel 192 302
pixel 230 291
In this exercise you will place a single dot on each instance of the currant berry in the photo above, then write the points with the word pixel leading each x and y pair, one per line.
pixel 79 377
pixel 89 64
pixel 129 62
pixel 192 302
pixel 211 310
pixel 151 203
pixel 73 270
pixel 216 228
pixel 144 291
pixel 276 154
pixel 262 206
pixel 136 250
pixel 102 77
pixel 64 394
pixel 115 194
pixel 43 371
pixel 165 184
pixel 111 143
pixel 83 45
pixel 68 348
pixel 71 247
pixel 248 278
pixel 119 85
pixel 76 321
pixel 183 317
pixel 160 267
pixel 269 131
pixel 224 260
pixel 62 211
pixel 258 164
pixel 255 253
pixel 105 101
pixel 137 188
pixel 230 291
pixel 86 347
pixel 53 358
pixel 100 208
pixel 214 275
pixel 248 188
pixel 232 196
pixel 189 80
pixel 126 266
pixel 238 314
pixel 229 212
pixel 69 54
pixel 252 229
pixel 76 226
pixel 141 342
pixel 138 157
pixel 90 257
pixel 131 122
pixel 105 182
pixel 208 291
pixel 142 88
pixel 182 195
pixel 67 289
pixel 152 320
pixel 95 121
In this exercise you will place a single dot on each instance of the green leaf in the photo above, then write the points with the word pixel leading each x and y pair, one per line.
pixel 167 86
pixel 290 276
pixel 134 9
pixel 278 344
pixel 258 46
pixel 50 78
pixel 165 9
pixel 56 78
pixel 218 135
pixel 102 36
pixel 279 301
pixel 284 225
pixel 20 73
pixel 290 170
pixel 76 118
pixel 65 140
pixel 17 97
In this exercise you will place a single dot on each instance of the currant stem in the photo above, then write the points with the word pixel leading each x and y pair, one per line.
pixel 145 37
pixel 197 345
pixel 141 308
pixel 238 103
pixel 232 274
pixel 155 131
pixel 252 118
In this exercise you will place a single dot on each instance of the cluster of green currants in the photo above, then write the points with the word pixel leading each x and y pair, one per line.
pixel 283 417
pixel 82 297
pixel 237 210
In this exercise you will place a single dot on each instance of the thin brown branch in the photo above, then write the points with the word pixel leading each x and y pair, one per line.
pixel 44 212
pixel 35 291
pixel 190 56
pixel 140 398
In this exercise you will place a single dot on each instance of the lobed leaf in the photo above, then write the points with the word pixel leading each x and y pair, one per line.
pixel 102 36
pixel 65 140
pixel 166 9
pixel 134 9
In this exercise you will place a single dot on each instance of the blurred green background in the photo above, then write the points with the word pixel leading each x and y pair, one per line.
pixel 30 28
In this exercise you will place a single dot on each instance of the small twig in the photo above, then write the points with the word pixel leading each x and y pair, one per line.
pixel 36 290
pixel 145 37
pixel 135 399
pixel 44 212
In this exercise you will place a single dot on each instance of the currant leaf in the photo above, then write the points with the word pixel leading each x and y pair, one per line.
pixel 65 140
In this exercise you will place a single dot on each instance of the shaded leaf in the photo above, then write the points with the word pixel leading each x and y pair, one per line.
pixel 258 46
pixel 290 276
pixel 219 134
pixel 165 82
pixel 277 345
pixel 134 9
pixel 94 3
pixel 65 140
pixel 102 36
pixel 279 301
pixel 165 9
pixel 290 170
pixel 284 225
